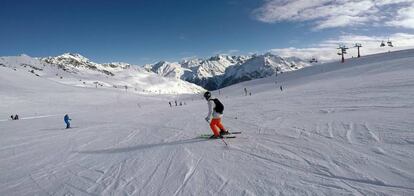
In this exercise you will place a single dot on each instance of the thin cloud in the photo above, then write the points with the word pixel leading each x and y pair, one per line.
pixel 324 14
pixel 227 52
pixel 404 18
pixel 187 58
pixel 182 37
pixel 232 51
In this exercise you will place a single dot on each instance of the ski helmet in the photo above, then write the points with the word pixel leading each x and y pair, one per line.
pixel 207 95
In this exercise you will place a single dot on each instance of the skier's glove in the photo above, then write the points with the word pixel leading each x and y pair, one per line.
pixel 207 119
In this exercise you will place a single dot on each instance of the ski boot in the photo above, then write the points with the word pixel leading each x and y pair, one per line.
pixel 224 132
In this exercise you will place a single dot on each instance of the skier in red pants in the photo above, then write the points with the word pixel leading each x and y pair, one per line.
pixel 215 112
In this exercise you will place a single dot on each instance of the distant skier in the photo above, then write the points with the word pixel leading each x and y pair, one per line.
pixel 16 117
pixel 12 117
pixel 281 88
pixel 176 103
pixel 67 121
pixel 245 91
pixel 170 103
pixel 215 112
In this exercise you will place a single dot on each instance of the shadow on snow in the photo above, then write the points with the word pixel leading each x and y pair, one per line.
pixel 143 146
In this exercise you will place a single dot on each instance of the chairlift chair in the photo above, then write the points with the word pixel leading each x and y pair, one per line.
pixel 382 44
pixel 313 60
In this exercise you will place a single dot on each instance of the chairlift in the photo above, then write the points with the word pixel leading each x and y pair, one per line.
pixel 358 45
pixel 342 49
pixel 389 43
pixel 313 60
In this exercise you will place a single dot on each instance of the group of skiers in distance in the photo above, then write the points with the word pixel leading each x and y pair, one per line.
pixel 15 117
pixel 176 103
pixel 247 93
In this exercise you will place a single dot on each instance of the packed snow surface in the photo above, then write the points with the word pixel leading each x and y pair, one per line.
pixel 335 129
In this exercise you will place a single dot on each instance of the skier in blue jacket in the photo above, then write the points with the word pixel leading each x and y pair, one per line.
pixel 67 121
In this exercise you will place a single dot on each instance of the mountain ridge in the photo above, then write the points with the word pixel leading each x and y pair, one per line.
pixel 210 73
pixel 77 70
pixel 223 70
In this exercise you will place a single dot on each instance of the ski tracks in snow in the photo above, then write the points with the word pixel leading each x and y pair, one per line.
pixel 316 169
pixel 349 128
pixel 188 175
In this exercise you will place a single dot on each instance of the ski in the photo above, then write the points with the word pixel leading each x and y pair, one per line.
pixel 207 136
pixel 230 134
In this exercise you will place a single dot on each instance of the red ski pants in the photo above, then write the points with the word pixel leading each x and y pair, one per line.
pixel 216 126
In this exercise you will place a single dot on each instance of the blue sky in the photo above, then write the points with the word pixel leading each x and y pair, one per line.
pixel 145 31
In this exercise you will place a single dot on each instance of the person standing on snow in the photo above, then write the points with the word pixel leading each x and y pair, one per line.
pixel 67 121
pixel 215 112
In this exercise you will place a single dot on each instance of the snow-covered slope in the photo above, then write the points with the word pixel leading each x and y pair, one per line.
pixel 167 69
pixel 335 129
pixel 223 70
pixel 74 69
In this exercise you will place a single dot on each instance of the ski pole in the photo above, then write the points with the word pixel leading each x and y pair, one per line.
pixel 222 139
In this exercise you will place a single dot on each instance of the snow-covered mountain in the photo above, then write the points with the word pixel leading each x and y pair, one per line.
pixel 261 66
pixel 208 72
pixel 162 77
pixel 197 71
pixel 203 72
pixel 223 70
pixel 167 69
pixel 76 63
pixel 74 69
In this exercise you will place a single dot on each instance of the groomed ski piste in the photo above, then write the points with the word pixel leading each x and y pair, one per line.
pixel 335 129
